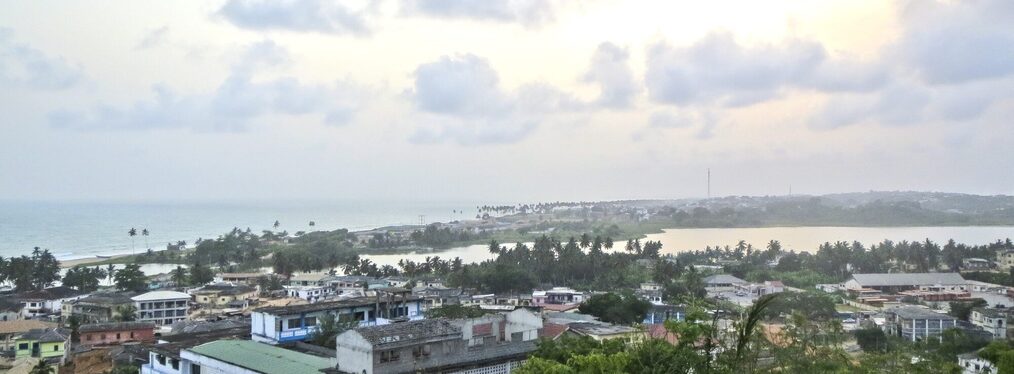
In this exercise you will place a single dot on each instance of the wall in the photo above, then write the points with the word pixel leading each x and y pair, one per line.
pixel 354 353
pixel 110 337
pixel 209 365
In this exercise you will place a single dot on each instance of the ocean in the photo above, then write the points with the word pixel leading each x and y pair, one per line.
pixel 72 230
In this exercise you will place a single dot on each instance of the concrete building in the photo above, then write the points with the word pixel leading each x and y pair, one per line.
pixel 914 323
pixel 971 363
pixel 164 357
pixel 98 307
pixel 115 333
pixel 974 264
pixel 249 279
pixel 488 345
pixel 50 343
pixel 992 320
pixel 47 301
pixel 896 282
pixel 221 294
pixel 249 357
pixel 280 324
pixel 722 282
pixel 11 330
pixel 558 295
pixel 1005 259
pixel 162 307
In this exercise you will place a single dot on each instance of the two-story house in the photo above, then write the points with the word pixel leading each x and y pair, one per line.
pixel 992 320
pixel 114 333
pixel 162 307
pixel 46 344
pixel 280 324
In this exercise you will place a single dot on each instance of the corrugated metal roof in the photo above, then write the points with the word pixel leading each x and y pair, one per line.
pixel 723 279
pixel 908 279
pixel 261 357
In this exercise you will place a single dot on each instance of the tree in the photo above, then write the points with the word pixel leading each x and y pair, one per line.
pixel 613 308
pixel 74 323
pixel 132 233
pixel 201 275
pixel 144 233
pixel 83 278
pixel 962 309
pixel 130 278
pixel 872 339
pixel 42 367
pixel 329 327
pixel 45 269
pixel 125 313
pixel 179 276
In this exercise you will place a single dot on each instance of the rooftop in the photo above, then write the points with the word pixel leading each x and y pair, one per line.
pixel 108 298
pixel 404 332
pixel 599 328
pixel 240 275
pixel 262 358
pixel 226 289
pixel 329 305
pixel 908 279
pixel 189 326
pixel 723 279
pixel 8 327
pixel 172 344
pixel 116 326
pixel 52 293
pixel 160 295
pixel 46 335
pixel 914 312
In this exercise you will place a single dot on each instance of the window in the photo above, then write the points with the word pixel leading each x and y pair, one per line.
pixel 395 355
pixel 131 334
pixel 175 364
pixel 117 336
pixel 88 337
pixel 56 347
pixel 293 323
pixel 22 346
pixel 161 359
pixel 384 357
pixel 195 369
pixel 103 336
pixel 310 321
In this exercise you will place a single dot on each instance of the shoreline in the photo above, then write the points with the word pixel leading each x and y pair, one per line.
pixel 67 264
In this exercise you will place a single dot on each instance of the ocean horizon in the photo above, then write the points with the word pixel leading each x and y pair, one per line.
pixel 85 229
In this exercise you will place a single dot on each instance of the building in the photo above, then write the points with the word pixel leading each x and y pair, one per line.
pixel 914 323
pixel 308 279
pixel 162 307
pixel 221 294
pixel 992 320
pixel 491 344
pixel 896 282
pixel 311 294
pixel 659 313
pixel 722 282
pixel 99 307
pixel 558 295
pixel 279 324
pixel 11 330
pixel 164 357
pixel 249 279
pixel 47 301
pixel 115 333
pixel 1005 259
pixel 48 343
pixel 10 310
pixel 975 264
pixel 245 356
pixel 971 363
pixel 601 331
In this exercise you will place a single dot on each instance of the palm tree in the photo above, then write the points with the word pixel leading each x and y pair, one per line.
pixel 132 232
pixel 179 275
pixel 41 368
pixel 312 224
pixel 276 224
pixel 125 313
pixel 110 271
pixel 144 232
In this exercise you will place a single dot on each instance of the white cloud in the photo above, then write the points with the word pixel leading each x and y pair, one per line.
pixel 527 12
pixel 22 65
pixel 610 70
pixel 332 17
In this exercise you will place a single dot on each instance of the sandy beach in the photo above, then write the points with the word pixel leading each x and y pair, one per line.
pixel 87 261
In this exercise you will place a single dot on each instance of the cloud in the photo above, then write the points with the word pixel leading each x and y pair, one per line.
pixel 956 42
pixel 719 70
pixel 321 16
pixel 232 106
pixel 526 12
pixel 611 72
pixel 154 38
pixel 461 100
pixel 22 65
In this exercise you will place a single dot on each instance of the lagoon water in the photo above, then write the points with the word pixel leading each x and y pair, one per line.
pixel 85 229
pixel 799 239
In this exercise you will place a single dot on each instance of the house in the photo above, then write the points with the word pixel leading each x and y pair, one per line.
pixel 491 344
pixel 915 323
pixel 308 279
pixel 46 343
pixel 11 330
pixel 971 363
pixel 1005 259
pixel 601 331
pixel 245 356
pixel 722 282
pixel 249 279
pixel 162 307
pixel 897 282
pixel 975 264
pixel 993 320
pixel 558 295
pixel 10 310
pixel 311 294
pixel 397 281
pixel 437 297
pixel 47 301
pixel 651 286
pixel 164 357
pixel 220 294
pixel 114 333
pixel 160 281
pixel 659 313
pixel 99 307
pixel 279 324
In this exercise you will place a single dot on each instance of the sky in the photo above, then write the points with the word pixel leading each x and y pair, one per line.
pixel 502 100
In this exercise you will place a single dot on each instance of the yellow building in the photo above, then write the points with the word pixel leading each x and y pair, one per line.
pixel 42 343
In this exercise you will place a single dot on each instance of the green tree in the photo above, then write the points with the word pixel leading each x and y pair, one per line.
pixel 132 233
pixel 613 308
pixel 42 367
pixel 179 276
pixel 130 278
pixel 74 323
pixel 125 313
pixel 872 339
pixel 83 278
pixel 328 328
pixel 201 275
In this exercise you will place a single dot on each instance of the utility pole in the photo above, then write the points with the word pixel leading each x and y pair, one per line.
pixel 709 183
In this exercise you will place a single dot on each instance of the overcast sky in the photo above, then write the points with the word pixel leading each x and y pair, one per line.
pixel 502 100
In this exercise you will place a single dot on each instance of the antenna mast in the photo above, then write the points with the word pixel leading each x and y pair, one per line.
pixel 709 183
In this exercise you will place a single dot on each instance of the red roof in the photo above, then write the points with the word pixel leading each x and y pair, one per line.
pixel 552 330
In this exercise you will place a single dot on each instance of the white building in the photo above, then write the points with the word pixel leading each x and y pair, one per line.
pixel 558 295
pixel 990 319
pixel 897 282
pixel 971 363
pixel 162 307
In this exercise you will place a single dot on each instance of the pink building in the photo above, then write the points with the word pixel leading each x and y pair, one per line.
pixel 116 333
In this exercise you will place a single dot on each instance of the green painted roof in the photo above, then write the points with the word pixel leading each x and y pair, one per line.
pixel 261 357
